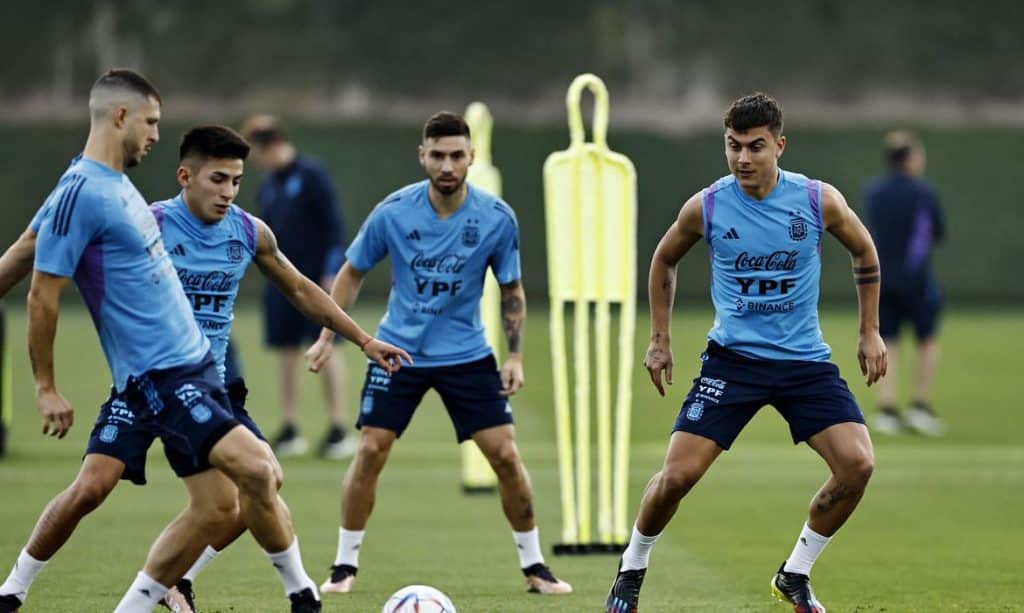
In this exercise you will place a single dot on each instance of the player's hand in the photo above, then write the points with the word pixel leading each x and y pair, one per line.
pixel 320 351
pixel 873 357
pixel 512 375
pixel 386 355
pixel 658 360
pixel 58 416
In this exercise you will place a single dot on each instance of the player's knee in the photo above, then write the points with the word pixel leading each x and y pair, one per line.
pixel 87 494
pixel 858 470
pixel 505 460
pixel 258 477
pixel 677 482
pixel 373 452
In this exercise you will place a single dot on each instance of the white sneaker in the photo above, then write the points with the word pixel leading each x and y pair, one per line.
pixel 887 422
pixel 343 449
pixel 925 422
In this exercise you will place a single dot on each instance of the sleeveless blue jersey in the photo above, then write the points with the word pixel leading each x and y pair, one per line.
pixel 95 227
pixel 766 268
pixel 211 260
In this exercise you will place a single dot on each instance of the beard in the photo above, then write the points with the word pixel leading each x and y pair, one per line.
pixel 449 188
pixel 133 155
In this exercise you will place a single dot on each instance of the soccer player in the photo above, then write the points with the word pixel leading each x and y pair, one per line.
pixel 764 227
pixel 298 201
pixel 96 227
pixel 907 222
pixel 442 235
pixel 212 242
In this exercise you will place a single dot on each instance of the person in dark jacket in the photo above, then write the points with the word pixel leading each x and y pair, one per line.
pixel 298 201
pixel 907 223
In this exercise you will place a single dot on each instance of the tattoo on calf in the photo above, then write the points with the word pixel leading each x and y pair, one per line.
pixel 827 500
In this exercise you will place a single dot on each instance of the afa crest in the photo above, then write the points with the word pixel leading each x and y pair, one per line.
pixel 471 236
pixel 235 252
pixel 797 227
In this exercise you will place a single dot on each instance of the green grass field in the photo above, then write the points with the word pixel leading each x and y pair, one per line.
pixel 940 529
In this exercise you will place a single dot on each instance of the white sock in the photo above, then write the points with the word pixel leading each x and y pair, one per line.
pixel 638 552
pixel 288 565
pixel 808 548
pixel 143 594
pixel 528 546
pixel 349 543
pixel 22 575
pixel 204 558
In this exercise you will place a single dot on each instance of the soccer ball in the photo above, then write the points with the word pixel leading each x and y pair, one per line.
pixel 418 599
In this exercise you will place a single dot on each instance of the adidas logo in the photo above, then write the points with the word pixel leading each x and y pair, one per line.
pixel 732 234
pixel 178 250
pixel 413 236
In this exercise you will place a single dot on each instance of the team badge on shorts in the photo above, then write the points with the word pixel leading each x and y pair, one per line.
pixel 797 227
pixel 367 406
pixel 201 413
pixel 696 411
pixel 109 433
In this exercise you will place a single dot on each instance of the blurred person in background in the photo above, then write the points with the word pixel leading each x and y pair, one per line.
pixel 906 222
pixel 298 201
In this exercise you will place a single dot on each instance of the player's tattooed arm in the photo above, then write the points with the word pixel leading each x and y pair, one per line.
pixel 513 315
pixel 843 223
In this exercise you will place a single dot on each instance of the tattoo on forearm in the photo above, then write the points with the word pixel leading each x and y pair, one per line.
pixel 863 270
pixel 668 284
pixel 868 280
pixel 512 321
pixel 867 275
pixel 828 499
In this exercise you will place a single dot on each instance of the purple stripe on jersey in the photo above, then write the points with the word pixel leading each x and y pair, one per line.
pixel 158 212
pixel 89 277
pixel 920 243
pixel 814 195
pixel 709 212
pixel 250 231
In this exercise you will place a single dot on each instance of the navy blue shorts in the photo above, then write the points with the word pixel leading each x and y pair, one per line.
pixel 732 388
pixel 471 393
pixel 186 407
pixel 922 309
pixel 237 393
pixel 283 325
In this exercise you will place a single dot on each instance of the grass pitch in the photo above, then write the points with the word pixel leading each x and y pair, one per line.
pixel 940 529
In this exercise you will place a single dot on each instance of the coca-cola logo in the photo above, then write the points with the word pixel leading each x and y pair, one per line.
pixel 450 263
pixel 212 281
pixel 778 260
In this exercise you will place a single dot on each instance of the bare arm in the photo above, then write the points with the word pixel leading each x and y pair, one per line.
pixel 43 309
pixel 513 316
pixel 513 321
pixel 302 292
pixel 681 236
pixel 16 262
pixel 843 223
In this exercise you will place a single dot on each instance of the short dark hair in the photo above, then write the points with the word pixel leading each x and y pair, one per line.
pixel 898 146
pixel 217 142
pixel 445 124
pixel 263 130
pixel 122 78
pixel 753 111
